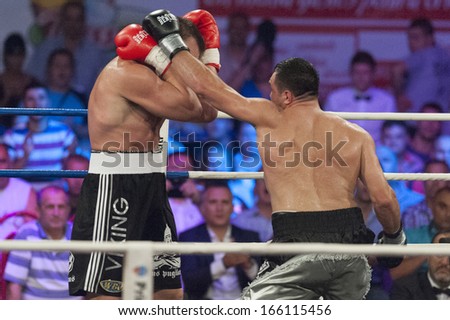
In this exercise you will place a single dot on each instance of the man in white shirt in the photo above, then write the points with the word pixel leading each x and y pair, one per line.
pixel 362 95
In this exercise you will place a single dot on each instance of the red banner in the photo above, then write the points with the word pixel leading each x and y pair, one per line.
pixel 379 9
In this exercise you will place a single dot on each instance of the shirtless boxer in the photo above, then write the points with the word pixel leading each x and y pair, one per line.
pixel 312 161
pixel 123 196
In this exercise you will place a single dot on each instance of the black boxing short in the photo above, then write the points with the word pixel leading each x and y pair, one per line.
pixel 123 198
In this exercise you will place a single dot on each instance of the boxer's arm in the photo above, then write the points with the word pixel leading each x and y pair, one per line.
pixel 212 89
pixel 163 27
pixel 167 99
pixel 382 196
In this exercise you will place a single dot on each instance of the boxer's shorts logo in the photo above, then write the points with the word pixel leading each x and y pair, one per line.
pixel 120 206
pixel 111 286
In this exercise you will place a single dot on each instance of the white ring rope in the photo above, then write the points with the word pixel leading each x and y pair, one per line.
pixel 380 116
pixel 260 175
pixel 208 248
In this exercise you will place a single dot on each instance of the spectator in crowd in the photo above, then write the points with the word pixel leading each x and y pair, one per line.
pixel 432 284
pixel 89 57
pixel 13 80
pixel 233 52
pixel 187 133
pixel 218 150
pixel 15 195
pixel 42 274
pixel 46 19
pixel 73 185
pixel 253 78
pixel 420 214
pixel 245 159
pixel 405 196
pixel 259 217
pixel 396 136
pixel 42 144
pixel 60 72
pixel 440 209
pixel 424 75
pixel 381 281
pixel 426 133
pixel 442 148
pixel 219 276
pixel 184 194
pixel 362 95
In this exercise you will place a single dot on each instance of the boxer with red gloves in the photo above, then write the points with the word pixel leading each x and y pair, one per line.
pixel 134 43
pixel 161 25
pixel 207 26
pixel 124 193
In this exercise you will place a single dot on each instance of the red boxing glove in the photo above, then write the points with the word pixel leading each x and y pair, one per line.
pixel 208 28
pixel 134 43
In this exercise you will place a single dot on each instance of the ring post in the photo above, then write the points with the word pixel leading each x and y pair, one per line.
pixel 138 274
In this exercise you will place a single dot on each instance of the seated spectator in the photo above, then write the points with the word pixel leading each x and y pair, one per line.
pixel 13 80
pixel 440 209
pixel 405 196
pixel 245 159
pixel 46 19
pixel 426 133
pixel 42 274
pixel 15 195
pixel 184 194
pixel 259 217
pixel 442 149
pixel 74 162
pixel 218 150
pixel 234 51
pixel 396 136
pixel 420 214
pixel 432 284
pixel 42 144
pixel 362 95
pixel 89 57
pixel 60 72
pixel 219 276
pixel 252 80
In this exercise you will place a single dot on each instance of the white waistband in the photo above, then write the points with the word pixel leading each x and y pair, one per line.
pixel 126 162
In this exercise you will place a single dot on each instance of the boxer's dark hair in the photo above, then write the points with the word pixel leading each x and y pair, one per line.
pixel 189 29
pixel 298 76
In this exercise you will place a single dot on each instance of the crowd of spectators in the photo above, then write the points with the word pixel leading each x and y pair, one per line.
pixel 62 70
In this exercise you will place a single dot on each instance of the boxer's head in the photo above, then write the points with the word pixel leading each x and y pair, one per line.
pixel 192 37
pixel 294 78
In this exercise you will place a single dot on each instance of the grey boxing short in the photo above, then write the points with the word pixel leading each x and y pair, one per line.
pixel 123 198
pixel 315 276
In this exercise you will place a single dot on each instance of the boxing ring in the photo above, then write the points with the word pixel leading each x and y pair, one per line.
pixel 137 279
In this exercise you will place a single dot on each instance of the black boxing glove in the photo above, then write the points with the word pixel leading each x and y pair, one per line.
pixel 398 238
pixel 163 26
